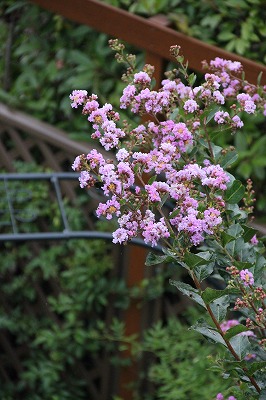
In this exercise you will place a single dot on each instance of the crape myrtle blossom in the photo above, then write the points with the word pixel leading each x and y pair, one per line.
pixel 118 180
pixel 142 78
pixel 237 122
pixel 221 117
pixel 76 166
pixel 77 97
pixel 231 86
pixel 246 277
pixel 191 106
pixel 84 179
pixel 165 183
pixel 246 102
pixel 226 65
pixel 109 208
pixel 159 147
pixel 221 397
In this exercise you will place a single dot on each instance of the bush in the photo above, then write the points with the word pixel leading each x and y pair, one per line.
pixel 181 368
pixel 43 56
pixel 235 25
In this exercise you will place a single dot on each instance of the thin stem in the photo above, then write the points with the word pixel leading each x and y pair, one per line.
pixel 228 344
pixel 208 140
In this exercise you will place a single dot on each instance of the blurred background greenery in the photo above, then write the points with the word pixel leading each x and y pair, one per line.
pixel 43 57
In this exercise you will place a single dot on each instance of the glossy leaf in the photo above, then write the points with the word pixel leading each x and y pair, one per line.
pixel 235 193
pixel 193 260
pixel 203 271
pixel 219 307
pixel 208 332
pixel 189 291
pixel 154 259
pixel 235 330
pixel 241 345
pixel 228 159
pixel 248 233
pixel 209 294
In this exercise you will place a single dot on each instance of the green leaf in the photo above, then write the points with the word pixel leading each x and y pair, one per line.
pixel 211 20
pixel 248 233
pixel 191 79
pixel 241 45
pixel 235 212
pixel 241 345
pixel 175 213
pixel 219 307
pixel 208 332
pixel 154 259
pixel 260 270
pixel 235 193
pixel 188 291
pixel 209 294
pixel 228 159
pixel 235 230
pixel 152 179
pixel 203 271
pixel 243 265
pixel 216 151
pixel 193 260
pixel 226 238
pixel 225 36
pixel 235 330
pixel 211 113
pixel 164 199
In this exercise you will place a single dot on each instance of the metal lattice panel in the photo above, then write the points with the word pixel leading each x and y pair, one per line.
pixel 16 209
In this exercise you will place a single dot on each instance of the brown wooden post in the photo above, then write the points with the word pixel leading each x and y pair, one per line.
pixel 154 58
pixel 137 256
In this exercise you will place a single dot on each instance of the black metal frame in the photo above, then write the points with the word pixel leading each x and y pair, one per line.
pixel 67 233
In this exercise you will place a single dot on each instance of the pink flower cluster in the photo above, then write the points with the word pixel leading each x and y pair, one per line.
pixel 103 119
pixel 221 397
pixel 246 277
pixel 192 215
pixel 226 73
pixel 161 148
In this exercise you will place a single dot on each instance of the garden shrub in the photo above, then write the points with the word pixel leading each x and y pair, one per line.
pixel 49 360
pixel 56 296
pixel 174 157
pixel 39 52
pixel 47 48
pixel 235 25
pixel 181 367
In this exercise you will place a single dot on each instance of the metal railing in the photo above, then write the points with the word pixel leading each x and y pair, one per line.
pixel 11 214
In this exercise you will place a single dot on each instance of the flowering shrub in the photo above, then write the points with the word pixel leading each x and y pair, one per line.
pixel 170 185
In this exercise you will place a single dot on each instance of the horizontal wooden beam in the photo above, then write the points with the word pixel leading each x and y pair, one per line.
pixel 45 132
pixel 145 34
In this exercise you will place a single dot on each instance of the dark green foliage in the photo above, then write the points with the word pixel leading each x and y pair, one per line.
pixel 54 298
pixel 44 57
pixel 56 301
pixel 235 25
pixel 182 369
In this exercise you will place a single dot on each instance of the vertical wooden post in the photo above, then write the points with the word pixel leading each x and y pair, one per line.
pixel 136 257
